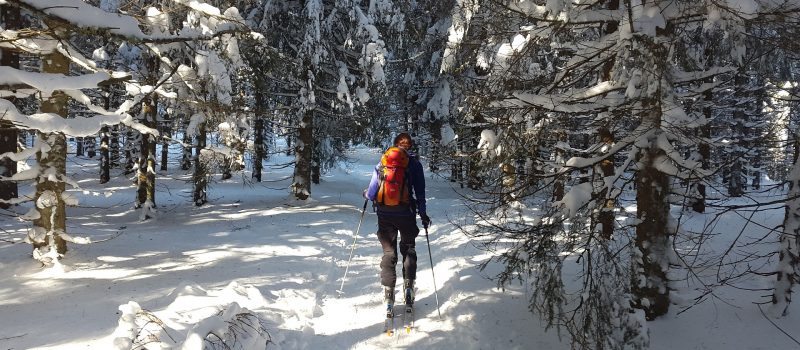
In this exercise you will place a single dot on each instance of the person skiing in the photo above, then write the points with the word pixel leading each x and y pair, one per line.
pixel 398 215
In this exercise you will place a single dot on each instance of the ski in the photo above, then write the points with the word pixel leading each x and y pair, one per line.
pixel 388 325
pixel 408 318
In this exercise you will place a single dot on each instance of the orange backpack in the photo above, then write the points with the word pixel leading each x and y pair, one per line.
pixel 393 189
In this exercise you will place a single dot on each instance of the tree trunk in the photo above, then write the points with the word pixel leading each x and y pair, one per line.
pixel 301 183
pixel 736 181
pixel 258 145
pixel 165 127
pixel 606 215
pixel 756 161
pixel 147 162
pixel 474 179
pixel 146 174
pixel 789 256
pixel 509 181
pixel 703 148
pixel 316 163
pixel 105 160
pixel 200 176
pixel 52 220
pixel 435 159
pixel 10 17
pixel 227 163
pixel 132 138
pixel 113 146
pixel 559 188
pixel 105 134
pixel 8 167
pixel 457 168
pixel 164 153
pixel 290 138
pixel 91 150
pixel 186 155
pixel 240 145
pixel 650 262
pixel 79 146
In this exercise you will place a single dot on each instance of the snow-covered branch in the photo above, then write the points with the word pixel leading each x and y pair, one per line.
pixel 83 16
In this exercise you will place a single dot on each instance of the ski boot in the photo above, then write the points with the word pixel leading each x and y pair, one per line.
pixel 408 292
pixel 388 299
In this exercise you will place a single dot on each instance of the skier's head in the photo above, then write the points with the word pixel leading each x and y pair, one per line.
pixel 404 141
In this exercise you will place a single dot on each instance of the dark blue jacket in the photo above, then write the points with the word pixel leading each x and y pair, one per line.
pixel 416 189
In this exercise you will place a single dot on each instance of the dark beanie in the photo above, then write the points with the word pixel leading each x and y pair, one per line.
pixel 401 136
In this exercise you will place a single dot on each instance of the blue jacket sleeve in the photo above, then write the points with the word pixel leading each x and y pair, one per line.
pixel 372 189
pixel 418 183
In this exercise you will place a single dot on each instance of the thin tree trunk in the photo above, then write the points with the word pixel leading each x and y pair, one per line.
pixel 200 177
pixel 105 141
pixel 259 129
pixel 457 170
pixel 258 145
pixel 8 167
pixel 703 148
pixel 146 193
pixel 8 133
pixel 606 215
pixel 164 154
pixel 165 130
pixel 240 145
pixel 316 163
pixel 113 146
pixel 290 139
pixel 79 146
pixel 434 160
pixel 509 181
pixel 146 164
pixel 131 138
pixel 91 151
pixel 301 184
pixel 105 160
pixel 736 182
pixel 474 180
pixel 559 188
pixel 186 149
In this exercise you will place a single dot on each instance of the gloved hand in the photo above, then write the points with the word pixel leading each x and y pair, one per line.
pixel 426 221
pixel 364 194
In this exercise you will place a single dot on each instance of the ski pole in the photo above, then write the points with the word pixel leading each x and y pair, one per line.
pixel 435 292
pixel 355 237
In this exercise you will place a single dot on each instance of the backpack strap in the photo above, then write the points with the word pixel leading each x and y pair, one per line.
pixel 412 204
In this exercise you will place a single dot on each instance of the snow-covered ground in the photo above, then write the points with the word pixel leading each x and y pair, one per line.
pixel 284 260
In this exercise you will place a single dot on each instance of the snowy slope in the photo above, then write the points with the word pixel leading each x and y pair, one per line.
pixel 283 260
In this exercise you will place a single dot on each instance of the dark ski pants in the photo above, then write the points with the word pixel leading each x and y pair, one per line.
pixel 388 227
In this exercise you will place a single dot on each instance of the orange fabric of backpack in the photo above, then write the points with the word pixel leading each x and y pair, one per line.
pixel 393 188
